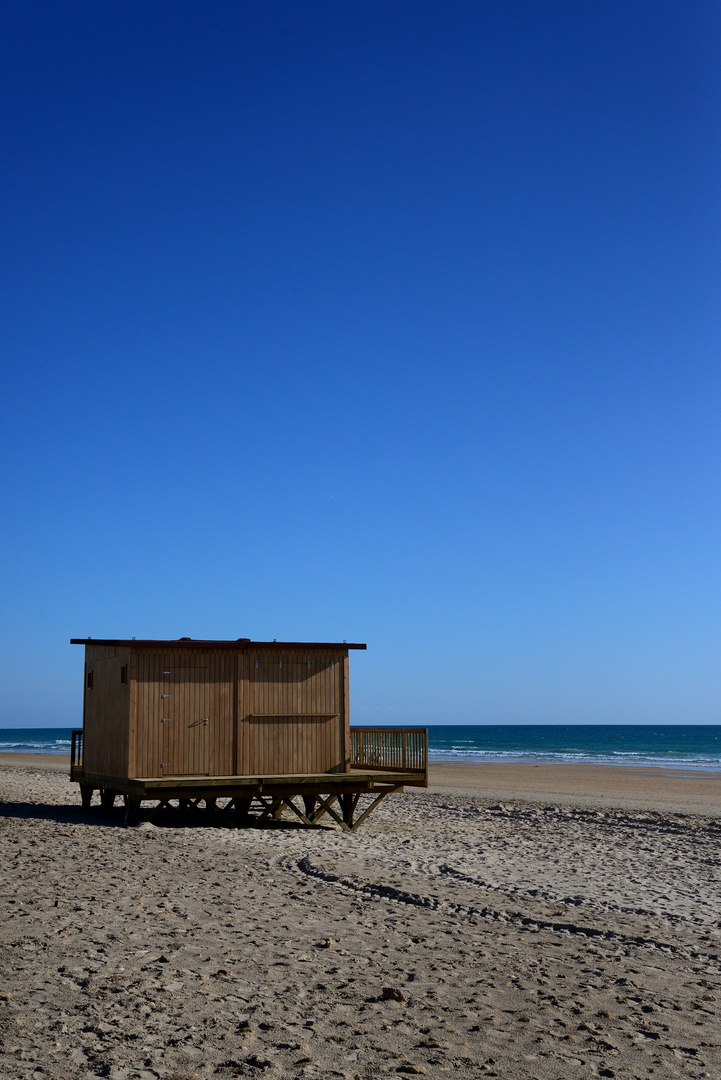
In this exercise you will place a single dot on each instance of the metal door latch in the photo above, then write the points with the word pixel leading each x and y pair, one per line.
pixel 165 695
pixel 205 720
pixel 164 764
pixel 164 719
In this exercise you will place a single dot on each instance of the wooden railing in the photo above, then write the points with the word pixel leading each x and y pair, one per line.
pixel 391 749
pixel 76 748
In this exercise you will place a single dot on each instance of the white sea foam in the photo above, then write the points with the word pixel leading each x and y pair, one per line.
pixel 614 757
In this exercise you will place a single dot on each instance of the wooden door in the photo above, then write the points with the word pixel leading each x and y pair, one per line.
pixel 293 723
pixel 185 721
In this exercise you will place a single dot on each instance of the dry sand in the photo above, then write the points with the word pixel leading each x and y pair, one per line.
pixel 547 922
pixel 674 791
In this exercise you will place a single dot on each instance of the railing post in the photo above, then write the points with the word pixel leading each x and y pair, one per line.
pixel 76 748
pixel 403 749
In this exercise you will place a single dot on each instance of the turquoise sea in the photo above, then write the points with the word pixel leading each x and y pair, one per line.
pixel 662 745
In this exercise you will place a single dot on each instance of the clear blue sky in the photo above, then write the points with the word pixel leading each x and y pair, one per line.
pixel 395 322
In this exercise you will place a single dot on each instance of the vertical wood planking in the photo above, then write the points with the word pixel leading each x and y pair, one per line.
pixel 235 681
pixel 306 736
pixel 291 727
pixel 313 733
pixel 106 707
pixel 289 717
pixel 243 708
pixel 221 712
pixel 325 729
pixel 186 738
pixel 133 715
pixel 344 710
pixel 318 729
pixel 327 739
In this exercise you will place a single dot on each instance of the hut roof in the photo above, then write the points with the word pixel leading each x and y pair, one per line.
pixel 198 643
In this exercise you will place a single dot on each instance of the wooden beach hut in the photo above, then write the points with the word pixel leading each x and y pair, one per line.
pixel 246 728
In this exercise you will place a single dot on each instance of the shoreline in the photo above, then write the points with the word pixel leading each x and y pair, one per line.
pixel 625 787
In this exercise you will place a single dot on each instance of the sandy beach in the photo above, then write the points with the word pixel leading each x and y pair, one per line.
pixel 513 921
pixel 670 790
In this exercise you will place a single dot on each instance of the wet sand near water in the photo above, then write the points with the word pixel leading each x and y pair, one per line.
pixel 518 931
pixel 629 787
pixel 49 762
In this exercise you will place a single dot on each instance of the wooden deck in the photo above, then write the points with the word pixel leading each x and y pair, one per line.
pixel 383 762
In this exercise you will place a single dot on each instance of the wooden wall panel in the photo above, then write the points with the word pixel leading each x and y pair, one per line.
pixel 106 713
pixel 345 712
pixel 174 732
pixel 149 689
pixel 267 713
pixel 242 745
pixel 222 706
pixel 291 719
pixel 186 732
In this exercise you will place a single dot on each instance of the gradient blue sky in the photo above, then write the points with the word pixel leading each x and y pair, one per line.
pixel 395 322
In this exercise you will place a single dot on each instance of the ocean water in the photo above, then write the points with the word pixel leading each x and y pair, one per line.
pixel 35 740
pixel 662 745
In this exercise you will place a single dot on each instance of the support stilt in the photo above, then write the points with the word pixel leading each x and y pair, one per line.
pixel 242 809
pixel 131 813
pixel 348 804
pixel 86 795
pixel 220 813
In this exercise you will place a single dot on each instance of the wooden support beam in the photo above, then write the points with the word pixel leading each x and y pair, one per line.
pixel 233 804
pixel 220 812
pixel 270 807
pixel 291 806
pixel 348 804
pixel 131 812
pixel 378 799
pixel 242 808
pixel 156 809
pixel 322 810
pixel 329 810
